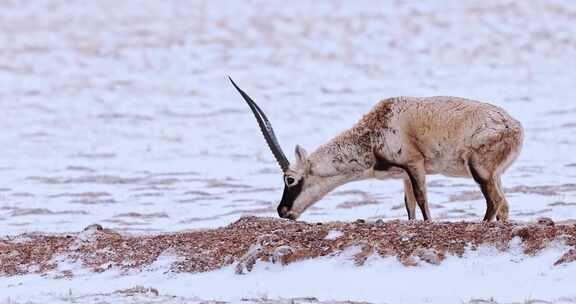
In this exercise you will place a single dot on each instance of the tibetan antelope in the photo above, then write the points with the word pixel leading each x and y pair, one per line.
pixel 407 138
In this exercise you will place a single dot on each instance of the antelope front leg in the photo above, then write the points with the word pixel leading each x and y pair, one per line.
pixel 417 175
pixel 409 199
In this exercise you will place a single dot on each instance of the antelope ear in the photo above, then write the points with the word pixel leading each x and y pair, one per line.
pixel 301 155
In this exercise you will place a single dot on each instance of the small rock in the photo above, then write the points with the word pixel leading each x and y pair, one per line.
pixel 282 254
pixel 94 227
pixel 546 221
pixel 248 260
pixel 568 257
pixel 430 256
pixel 305 300
pixel 522 232
pixel 408 261
pixel 365 252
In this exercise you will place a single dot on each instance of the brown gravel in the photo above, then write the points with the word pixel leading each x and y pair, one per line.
pixel 253 239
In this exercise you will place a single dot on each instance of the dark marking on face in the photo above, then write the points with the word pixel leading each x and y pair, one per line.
pixel 399 151
pixel 288 197
pixel 289 180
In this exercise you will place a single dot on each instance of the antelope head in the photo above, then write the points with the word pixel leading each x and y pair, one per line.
pixel 302 188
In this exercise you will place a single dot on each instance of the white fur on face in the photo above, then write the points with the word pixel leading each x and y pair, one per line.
pixel 314 189
pixel 319 178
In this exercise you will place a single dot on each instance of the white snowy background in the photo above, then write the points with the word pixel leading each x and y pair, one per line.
pixel 120 113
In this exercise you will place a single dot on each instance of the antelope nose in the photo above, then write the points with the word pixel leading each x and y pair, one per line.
pixel 283 211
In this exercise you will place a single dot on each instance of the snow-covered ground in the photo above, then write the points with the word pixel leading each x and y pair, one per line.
pixel 484 274
pixel 120 113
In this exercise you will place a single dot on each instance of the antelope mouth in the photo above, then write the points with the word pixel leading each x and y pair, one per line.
pixel 290 216
pixel 284 213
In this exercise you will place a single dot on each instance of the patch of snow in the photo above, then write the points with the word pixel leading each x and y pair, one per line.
pixel 333 234
pixel 165 261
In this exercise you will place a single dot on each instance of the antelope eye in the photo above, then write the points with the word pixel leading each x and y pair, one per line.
pixel 290 180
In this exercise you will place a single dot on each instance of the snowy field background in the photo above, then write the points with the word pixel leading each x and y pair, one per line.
pixel 120 113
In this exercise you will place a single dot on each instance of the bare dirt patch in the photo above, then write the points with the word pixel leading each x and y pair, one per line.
pixel 253 239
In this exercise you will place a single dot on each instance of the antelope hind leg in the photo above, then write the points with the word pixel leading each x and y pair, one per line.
pixel 502 212
pixel 490 187
pixel 495 202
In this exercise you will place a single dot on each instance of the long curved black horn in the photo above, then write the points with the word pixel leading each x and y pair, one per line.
pixel 266 129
